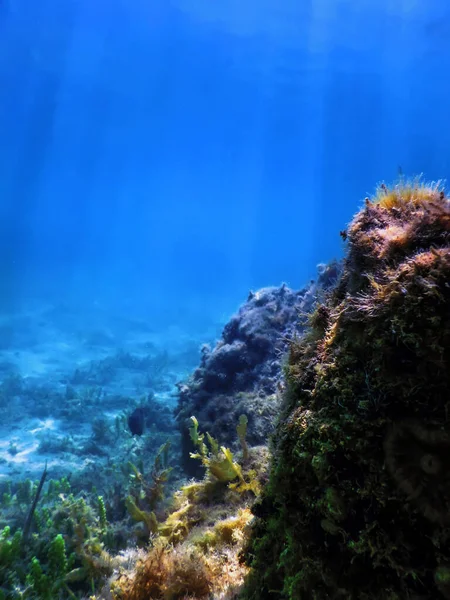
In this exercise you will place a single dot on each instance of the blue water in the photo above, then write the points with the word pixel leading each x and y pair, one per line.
pixel 169 155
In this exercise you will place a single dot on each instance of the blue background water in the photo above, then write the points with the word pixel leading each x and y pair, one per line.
pixel 173 153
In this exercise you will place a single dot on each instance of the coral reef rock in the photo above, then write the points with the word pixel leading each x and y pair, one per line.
pixel 243 373
pixel 358 502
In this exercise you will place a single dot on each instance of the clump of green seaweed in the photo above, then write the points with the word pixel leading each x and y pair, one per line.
pixel 358 502
pixel 63 538
pixel 55 544
pixel 146 493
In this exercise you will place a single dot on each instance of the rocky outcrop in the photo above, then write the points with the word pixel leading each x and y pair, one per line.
pixel 242 374
pixel 358 502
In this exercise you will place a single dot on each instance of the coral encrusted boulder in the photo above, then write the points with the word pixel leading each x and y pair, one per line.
pixel 242 374
pixel 358 503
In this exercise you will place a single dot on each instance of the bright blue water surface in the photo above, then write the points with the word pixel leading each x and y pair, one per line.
pixel 165 153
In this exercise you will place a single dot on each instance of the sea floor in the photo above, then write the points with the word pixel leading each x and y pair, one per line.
pixel 68 376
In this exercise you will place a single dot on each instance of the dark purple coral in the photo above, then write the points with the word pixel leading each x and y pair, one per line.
pixel 243 372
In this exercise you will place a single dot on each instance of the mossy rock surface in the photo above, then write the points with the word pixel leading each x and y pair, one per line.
pixel 358 504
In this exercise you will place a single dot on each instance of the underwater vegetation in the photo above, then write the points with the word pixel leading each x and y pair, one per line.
pixel 136 540
pixel 358 502
pixel 64 540
pixel 195 551
pixel 59 551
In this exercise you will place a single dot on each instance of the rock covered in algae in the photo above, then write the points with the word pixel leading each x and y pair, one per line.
pixel 358 504
pixel 242 373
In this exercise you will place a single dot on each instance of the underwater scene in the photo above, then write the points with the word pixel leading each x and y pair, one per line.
pixel 224 300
